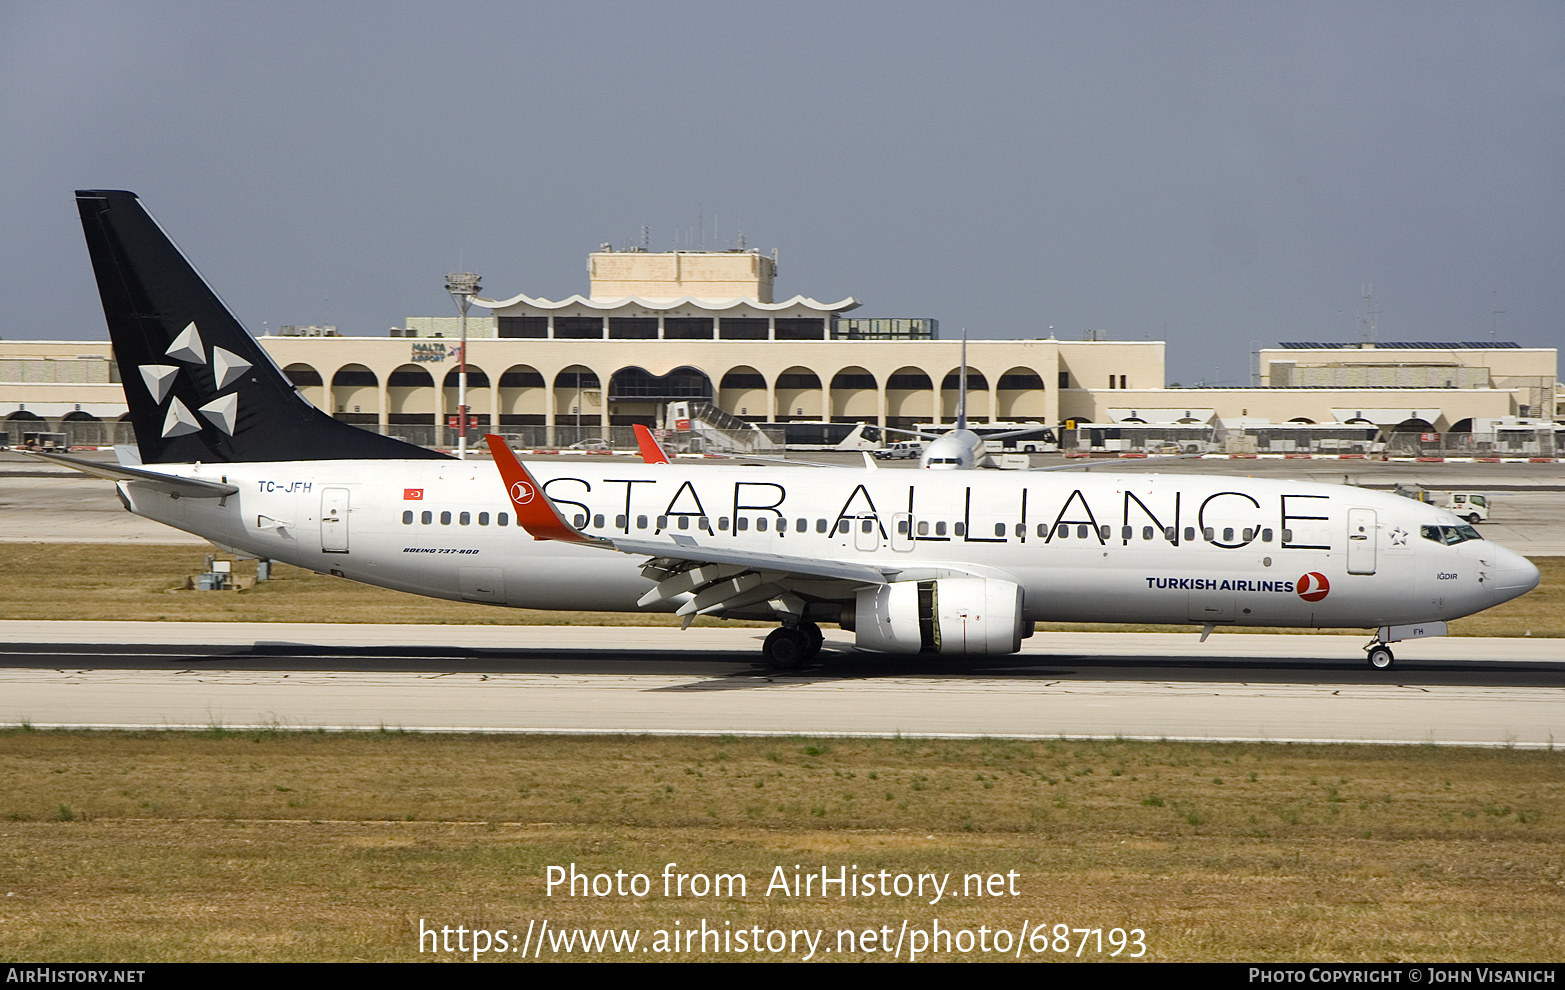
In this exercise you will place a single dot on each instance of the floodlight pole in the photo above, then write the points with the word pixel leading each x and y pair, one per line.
pixel 463 286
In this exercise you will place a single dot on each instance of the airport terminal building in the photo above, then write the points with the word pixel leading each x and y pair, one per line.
pixel 702 328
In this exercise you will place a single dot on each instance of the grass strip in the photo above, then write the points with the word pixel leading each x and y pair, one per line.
pixel 225 845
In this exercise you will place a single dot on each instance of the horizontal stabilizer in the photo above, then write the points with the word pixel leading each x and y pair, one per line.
pixel 167 483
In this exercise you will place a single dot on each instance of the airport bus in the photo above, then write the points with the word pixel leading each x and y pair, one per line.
pixel 820 435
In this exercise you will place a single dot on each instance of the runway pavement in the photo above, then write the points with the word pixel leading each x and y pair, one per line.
pixel 1498 692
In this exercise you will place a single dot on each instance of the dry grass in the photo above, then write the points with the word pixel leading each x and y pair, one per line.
pixel 224 845
pixel 143 583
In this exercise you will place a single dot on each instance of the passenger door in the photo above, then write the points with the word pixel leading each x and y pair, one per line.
pixel 334 520
pixel 1361 541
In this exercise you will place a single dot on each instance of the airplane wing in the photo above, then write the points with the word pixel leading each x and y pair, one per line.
pixel 166 483
pixel 720 578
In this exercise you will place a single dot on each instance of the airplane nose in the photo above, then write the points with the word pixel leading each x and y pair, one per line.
pixel 1514 575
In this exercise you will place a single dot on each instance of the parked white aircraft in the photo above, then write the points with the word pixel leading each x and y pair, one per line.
pixel 909 561
pixel 962 449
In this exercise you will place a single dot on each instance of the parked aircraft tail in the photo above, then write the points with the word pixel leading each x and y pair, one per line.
pixel 198 386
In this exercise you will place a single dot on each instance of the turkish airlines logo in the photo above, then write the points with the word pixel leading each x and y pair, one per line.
pixel 1314 586
pixel 521 493
pixel 412 494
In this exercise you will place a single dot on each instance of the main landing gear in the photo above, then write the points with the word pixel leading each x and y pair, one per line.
pixel 790 647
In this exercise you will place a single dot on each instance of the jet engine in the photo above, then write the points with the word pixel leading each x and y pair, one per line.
pixel 948 615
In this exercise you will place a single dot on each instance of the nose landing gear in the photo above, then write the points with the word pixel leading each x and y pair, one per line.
pixel 1379 655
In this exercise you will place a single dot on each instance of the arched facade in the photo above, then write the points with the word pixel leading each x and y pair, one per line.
pixel 855 396
pixel 799 395
pixel 410 396
pixel 742 391
pixel 355 395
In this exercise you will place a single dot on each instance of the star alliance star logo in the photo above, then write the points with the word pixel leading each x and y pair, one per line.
pixel 227 368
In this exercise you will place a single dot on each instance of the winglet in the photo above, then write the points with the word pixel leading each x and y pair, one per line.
pixel 534 511
pixel 651 452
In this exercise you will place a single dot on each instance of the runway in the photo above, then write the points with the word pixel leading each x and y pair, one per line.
pixel 1487 692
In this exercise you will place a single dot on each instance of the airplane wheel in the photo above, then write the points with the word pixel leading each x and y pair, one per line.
pixel 786 649
pixel 1380 657
pixel 815 636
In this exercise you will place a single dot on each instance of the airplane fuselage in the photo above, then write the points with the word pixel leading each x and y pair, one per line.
pixel 1126 548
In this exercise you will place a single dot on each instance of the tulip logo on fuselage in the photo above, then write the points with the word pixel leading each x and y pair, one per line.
pixel 521 493
pixel 1313 586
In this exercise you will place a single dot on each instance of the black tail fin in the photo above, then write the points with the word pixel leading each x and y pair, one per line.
pixel 198 385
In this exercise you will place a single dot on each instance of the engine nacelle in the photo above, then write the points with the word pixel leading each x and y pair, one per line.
pixel 949 615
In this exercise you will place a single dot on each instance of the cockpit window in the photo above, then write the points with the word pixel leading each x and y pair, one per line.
pixel 1450 535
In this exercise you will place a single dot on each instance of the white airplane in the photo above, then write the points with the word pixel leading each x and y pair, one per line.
pixel 908 561
pixel 962 449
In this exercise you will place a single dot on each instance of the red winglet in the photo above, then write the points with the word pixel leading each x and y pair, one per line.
pixel 534 511
pixel 651 452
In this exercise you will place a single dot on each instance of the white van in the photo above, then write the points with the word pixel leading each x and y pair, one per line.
pixel 1472 506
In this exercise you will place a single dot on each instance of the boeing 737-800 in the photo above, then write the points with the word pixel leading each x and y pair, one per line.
pixel 908 561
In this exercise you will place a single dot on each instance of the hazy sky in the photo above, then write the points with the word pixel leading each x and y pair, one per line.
pixel 1214 174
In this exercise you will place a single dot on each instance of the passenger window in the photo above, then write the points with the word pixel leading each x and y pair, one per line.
pixel 902 527
pixel 1249 534
pixel 1287 536
pixel 1125 533
pixel 940 528
pixel 1146 532
pixel 503 519
pixel 1208 534
pixel 597 521
pixel 702 522
pixel 483 519
pixel 959 529
pixel 1043 531
pixel 820 526
pixel 662 522
pixel 1228 533
pixel 782 525
pixel 923 527
pixel 620 522
pixel 1189 533
pixel 1171 534
pixel 1021 530
pixel 1063 533
pixel 641 522
pixel 741 523
pixel 1104 532
pixel 445 519
pixel 760 524
pixel 843 526
pixel 1081 531
pixel 684 522
pixel 999 529
pixel 801 525
pixel 465 519
pixel 722 524
pixel 1266 536
pixel 407 518
pixel 579 520
pixel 866 525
